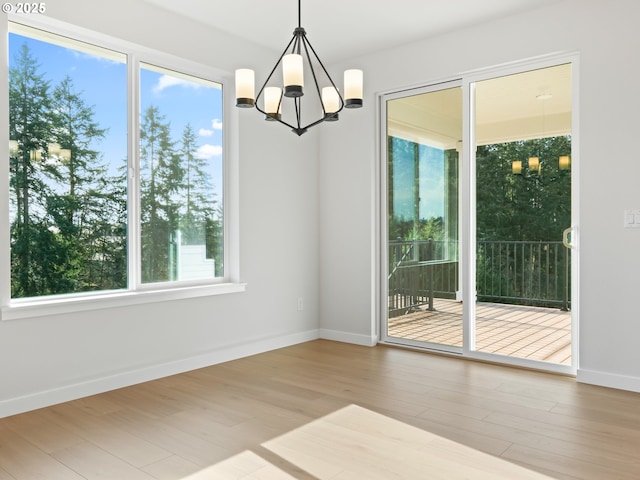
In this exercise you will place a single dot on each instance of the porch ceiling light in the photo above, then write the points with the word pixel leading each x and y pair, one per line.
pixel 534 164
pixel 516 167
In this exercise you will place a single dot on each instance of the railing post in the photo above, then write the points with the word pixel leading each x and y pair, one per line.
pixel 398 249
pixel 430 258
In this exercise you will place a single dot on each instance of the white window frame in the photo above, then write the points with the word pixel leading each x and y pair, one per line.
pixel 136 292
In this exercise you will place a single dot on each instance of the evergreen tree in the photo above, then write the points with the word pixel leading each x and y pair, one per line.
pixel 107 239
pixel 87 202
pixel 29 130
pixel 532 206
pixel 202 218
pixel 198 202
pixel 159 183
pixel 63 204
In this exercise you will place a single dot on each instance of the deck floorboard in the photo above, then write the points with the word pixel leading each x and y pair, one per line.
pixel 526 332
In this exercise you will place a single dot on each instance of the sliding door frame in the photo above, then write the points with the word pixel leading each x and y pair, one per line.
pixel 467 217
pixel 383 213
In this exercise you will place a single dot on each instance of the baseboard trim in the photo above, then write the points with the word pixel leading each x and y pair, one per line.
pixel 67 393
pixel 610 380
pixel 346 337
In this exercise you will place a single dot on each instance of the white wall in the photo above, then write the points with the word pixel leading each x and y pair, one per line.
pixel 307 211
pixel 49 359
pixel 606 35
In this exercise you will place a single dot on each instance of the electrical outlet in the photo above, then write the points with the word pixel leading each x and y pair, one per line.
pixel 300 304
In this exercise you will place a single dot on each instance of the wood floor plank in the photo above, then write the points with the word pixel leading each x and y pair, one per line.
pixel 22 460
pixel 216 420
pixel 244 466
pixel 144 401
pixel 44 434
pixel 104 434
pixel 186 445
pixel 581 469
pixel 478 441
pixel 385 448
pixel 586 444
pixel 573 446
pixel 171 468
pixel 94 463
pixel 4 475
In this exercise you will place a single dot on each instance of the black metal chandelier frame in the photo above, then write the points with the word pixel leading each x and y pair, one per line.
pixel 299 44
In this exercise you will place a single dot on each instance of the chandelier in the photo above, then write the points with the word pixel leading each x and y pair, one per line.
pixel 299 59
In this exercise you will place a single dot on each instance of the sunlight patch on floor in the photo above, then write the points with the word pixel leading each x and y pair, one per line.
pixel 356 443
pixel 246 466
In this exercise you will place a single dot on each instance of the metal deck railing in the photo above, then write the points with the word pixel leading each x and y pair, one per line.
pixel 514 272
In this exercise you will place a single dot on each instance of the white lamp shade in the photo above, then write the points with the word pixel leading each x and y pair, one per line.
pixel 13 147
pixel 245 87
pixel 564 162
pixel 353 88
pixel 272 103
pixel 293 75
pixel 292 70
pixel 330 99
pixel 534 163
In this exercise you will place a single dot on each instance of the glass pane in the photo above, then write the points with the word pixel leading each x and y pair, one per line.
pixel 523 205
pixel 424 132
pixel 181 177
pixel 68 156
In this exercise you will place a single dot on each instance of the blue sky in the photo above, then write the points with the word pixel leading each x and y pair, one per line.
pixel 103 84
pixel 431 181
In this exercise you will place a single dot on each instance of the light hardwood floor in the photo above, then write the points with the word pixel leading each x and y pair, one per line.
pixel 326 410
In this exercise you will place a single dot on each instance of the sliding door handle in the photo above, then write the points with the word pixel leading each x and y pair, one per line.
pixel 566 237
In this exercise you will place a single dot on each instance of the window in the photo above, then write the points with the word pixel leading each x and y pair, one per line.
pixel 68 154
pixel 116 171
pixel 180 176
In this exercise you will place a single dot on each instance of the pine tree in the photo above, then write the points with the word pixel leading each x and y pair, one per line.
pixel 198 201
pixel 202 219
pixel 532 206
pixel 62 201
pixel 87 203
pixel 29 128
pixel 159 183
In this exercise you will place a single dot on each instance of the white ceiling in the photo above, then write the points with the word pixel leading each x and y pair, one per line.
pixel 533 104
pixel 341 29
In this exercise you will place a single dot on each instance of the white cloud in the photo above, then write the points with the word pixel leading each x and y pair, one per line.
pixel 216 124
pixel 165 81
pixel 208 151
pixel 203 132
pixel 97 58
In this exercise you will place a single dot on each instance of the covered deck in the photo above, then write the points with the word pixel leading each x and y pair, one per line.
pixel 536 333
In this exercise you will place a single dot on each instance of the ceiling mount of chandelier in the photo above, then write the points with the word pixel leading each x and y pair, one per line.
pixel 287 81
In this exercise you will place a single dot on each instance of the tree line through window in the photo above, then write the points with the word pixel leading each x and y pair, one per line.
pixel 69 189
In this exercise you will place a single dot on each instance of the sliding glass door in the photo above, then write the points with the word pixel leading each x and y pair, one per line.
pixel 478 214
pixel 424 133
pixel 522 209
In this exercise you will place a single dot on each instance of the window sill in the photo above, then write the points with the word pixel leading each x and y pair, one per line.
pixel 70 304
